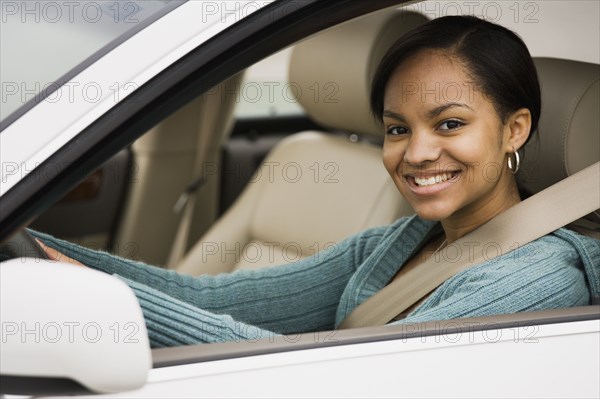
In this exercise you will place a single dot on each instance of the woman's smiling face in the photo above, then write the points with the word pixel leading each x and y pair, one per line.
pixel 445 144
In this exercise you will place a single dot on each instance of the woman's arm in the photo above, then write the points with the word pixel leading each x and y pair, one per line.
pixel 172 322
pixel 292 298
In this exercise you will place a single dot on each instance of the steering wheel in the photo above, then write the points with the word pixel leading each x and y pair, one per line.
pixel 21 245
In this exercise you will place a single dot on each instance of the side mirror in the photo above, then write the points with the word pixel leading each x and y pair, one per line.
pixel 67 328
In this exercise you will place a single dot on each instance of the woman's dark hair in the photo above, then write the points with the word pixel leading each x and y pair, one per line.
pixel 496 59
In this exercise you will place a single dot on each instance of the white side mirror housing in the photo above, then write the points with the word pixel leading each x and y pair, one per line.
pixel 61 321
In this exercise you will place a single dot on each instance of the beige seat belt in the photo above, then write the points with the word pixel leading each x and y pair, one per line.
pixel 214 119
pixel 187 200
pixel 541 214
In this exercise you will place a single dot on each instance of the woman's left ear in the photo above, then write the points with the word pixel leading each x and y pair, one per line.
pixel 519 125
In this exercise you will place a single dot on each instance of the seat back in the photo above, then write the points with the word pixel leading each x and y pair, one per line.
pixel 568 137
pixel 314 188
pixel 165 162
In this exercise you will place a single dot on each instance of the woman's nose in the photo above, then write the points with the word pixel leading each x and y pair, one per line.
pixel 422 147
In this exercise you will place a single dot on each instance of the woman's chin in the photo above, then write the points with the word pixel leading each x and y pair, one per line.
pixel 432 209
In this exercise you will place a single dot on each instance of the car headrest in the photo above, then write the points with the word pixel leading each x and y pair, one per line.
pixel 332 71
pixel 569 129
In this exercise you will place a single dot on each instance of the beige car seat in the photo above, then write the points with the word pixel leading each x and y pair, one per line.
pixel 569 129
pixel 314 189
pixel 164 163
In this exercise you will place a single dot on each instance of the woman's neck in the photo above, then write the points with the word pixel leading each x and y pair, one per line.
pixel 467 220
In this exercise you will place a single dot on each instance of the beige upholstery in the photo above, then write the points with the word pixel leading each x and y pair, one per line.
pixel 164 161
pixel 339 65
pixel 569 129
pixel 315 189
pixel 312 191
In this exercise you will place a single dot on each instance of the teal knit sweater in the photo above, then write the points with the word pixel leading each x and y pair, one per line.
pixel 559 270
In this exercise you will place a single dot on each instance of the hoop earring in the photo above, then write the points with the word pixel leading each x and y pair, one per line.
pixel 517 162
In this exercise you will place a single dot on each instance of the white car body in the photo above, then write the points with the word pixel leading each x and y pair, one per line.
pixel 485 363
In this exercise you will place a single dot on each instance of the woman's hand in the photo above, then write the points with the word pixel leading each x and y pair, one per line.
pixel 56 256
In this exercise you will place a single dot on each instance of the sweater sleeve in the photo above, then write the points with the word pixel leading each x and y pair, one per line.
pixel 544 274
pixel 181 309
pixel 172 322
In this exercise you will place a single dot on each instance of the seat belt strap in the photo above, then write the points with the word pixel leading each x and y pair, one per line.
pixel 214 118
pixel 538 215
pixel 187 201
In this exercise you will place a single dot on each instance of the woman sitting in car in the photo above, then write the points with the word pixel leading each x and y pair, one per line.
pixel 435 152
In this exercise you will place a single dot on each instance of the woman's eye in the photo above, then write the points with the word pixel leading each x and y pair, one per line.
pixel 451 125
pixel 397 130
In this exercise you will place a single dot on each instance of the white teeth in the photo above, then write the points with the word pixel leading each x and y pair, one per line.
pixel 433 180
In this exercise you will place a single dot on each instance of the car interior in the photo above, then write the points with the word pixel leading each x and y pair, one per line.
pixel 203 192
